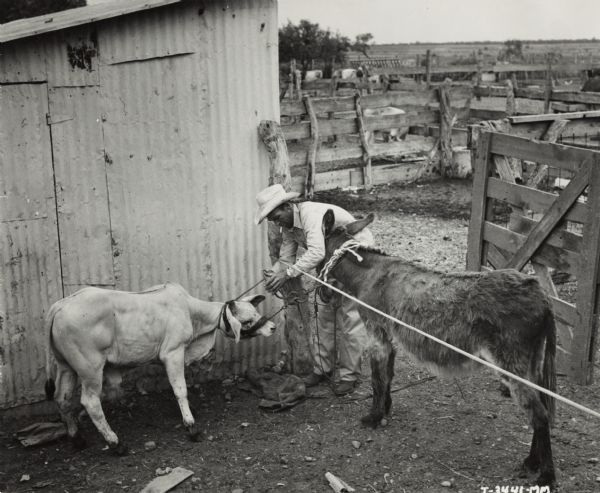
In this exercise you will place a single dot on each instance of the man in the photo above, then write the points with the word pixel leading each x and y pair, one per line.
pixel 301 224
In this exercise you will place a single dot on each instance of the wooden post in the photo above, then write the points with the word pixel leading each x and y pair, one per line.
pixel 309 184
pixel 514 81
pixel 428 69
pixel 367 170
pixel 446 161
pixel 292 78
pixel 548 88
pixel 585 339
pixel 385 82
pixel 418 66
pixel 510 98
pixel 478 76
pixel 299 321
pixel 482 168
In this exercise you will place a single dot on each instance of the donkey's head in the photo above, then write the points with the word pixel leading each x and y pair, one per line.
pixel 336 237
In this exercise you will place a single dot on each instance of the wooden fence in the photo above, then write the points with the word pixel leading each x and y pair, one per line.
pixel 328 144
pixel 544 231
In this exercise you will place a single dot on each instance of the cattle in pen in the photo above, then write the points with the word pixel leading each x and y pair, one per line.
pixel 503 317
pixel 99 331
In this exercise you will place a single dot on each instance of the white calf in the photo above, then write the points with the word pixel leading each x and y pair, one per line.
pixel 95 328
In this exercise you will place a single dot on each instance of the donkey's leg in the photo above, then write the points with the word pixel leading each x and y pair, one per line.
pixel 174 364
pixel 66 381
pixel 382 371
pixel 540 454
pixel 390 370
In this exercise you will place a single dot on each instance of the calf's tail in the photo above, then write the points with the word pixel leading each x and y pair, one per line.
pixel 549 369
pixel 50 386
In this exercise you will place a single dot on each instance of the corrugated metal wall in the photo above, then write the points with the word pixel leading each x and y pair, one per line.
pixel 156 159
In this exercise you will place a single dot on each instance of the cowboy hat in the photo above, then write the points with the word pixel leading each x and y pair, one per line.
pixel 270 198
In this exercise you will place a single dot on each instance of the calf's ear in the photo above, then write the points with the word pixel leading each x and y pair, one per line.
pixel 357 226
pixel 255 300
pixel 328 222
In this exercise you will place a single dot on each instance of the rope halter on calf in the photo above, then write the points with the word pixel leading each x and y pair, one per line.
pixel 349 246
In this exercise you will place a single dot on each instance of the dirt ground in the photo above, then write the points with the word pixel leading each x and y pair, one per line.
pixel 444 435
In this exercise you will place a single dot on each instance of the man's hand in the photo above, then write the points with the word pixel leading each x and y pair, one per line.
pixel 276 281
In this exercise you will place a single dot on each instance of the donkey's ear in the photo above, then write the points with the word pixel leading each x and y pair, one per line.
pixel 357 226
pixel 328 222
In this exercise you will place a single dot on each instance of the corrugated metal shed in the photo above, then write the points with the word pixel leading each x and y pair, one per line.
pixel 129 156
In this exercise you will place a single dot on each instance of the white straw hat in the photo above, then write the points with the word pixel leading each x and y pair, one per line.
pixel 270 198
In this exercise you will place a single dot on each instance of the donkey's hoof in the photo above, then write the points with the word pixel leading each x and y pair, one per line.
pixel 119 449
pixel 78 441
pixel 371 421
pixel 529 466
pixel 547 478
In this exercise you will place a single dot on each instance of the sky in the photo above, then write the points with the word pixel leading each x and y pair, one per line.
pixel 403 21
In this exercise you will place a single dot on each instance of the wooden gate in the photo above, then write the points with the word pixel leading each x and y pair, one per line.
pixel 543 232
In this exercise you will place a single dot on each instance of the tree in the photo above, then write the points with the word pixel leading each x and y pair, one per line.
pixel 11 10
pixel 307 41
pixel 512 51
pixel 361 43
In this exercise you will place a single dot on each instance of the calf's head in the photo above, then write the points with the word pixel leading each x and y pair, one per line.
pixel 241 320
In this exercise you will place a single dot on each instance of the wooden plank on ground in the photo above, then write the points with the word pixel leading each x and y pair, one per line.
pixel 535 200
pixel 162 484
pixel 551 218
pixel 556 155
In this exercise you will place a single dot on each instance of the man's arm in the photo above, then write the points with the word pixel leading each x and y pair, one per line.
pixel 287 254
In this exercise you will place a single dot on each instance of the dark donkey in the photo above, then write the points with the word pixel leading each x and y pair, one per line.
pixel 503 317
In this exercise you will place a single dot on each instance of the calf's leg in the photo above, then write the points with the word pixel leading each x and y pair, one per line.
pixel 66 380
pixel 382 371
pixel 174 365
pixel 91 387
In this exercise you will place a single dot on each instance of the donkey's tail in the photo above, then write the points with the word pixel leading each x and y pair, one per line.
pixel 549 369
pixel 50 386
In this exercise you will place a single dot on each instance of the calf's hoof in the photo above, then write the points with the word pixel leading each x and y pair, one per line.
pixel 193 432
pixel 195 436
pixel 78 441
pixel 371 420
pixel 119 449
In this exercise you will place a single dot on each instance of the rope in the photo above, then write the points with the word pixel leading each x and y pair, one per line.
pixel 349 246
pixel 249 289
pixel 453 348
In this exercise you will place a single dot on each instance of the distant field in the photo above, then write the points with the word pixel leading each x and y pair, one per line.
pixel 533 51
